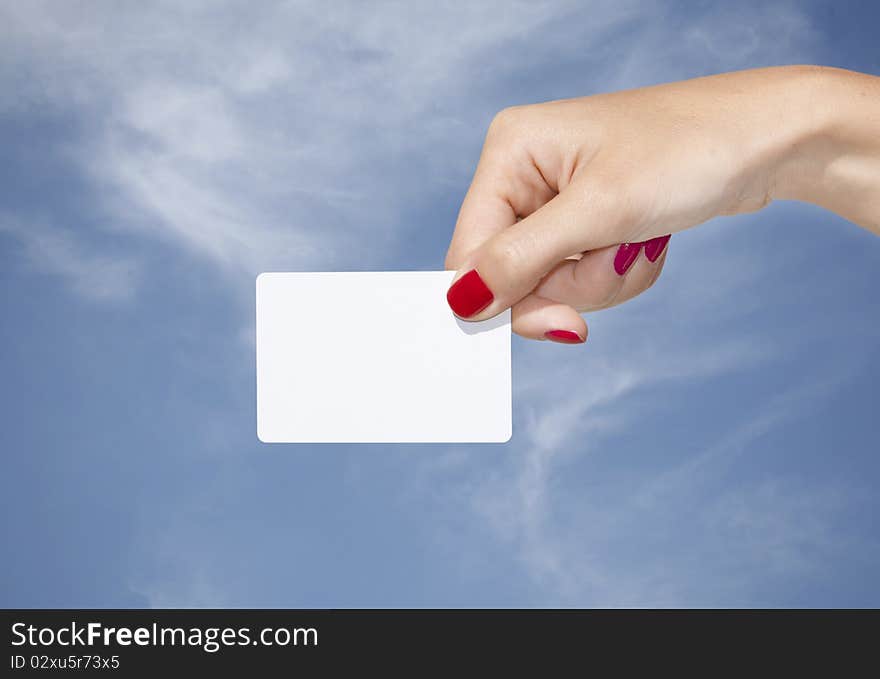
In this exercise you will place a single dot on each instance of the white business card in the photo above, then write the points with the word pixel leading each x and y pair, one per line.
pixel 377 357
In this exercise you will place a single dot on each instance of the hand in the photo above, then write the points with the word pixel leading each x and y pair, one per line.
pixel 560 186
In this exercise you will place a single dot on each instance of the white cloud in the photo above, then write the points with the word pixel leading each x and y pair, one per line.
pixel 259 148
pixel 95 275
pixel 690 532
pixel 292 135
pixel 593 413
pixel 288 135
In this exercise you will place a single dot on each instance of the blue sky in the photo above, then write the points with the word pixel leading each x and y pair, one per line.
pixel 713 444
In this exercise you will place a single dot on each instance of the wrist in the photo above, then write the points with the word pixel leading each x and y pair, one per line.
pixel 833 149
pixel 806 127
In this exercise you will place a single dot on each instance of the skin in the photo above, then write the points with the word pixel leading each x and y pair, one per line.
pixel 560 179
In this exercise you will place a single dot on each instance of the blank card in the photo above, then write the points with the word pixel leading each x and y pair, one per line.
pixel 377 357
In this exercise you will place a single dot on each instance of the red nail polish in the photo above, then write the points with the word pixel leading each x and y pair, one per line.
pixel 625 257
pixel 564 337
pixel 469 295
pixel 654 247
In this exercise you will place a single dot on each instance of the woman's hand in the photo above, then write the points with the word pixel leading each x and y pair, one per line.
pixel 560 186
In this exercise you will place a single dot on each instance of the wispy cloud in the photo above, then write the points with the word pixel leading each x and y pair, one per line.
pixel 263 152
pixel 96 275
pixel 701 535
pixel 526 504
pixel 311 139
pixel 313 130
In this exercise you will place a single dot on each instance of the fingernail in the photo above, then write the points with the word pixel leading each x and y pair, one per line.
pixel 469 295
pixel 564 337
pixel 654 247
pixel 626 255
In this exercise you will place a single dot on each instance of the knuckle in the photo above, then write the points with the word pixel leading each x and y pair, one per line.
pixel 507 258
pixel 507 122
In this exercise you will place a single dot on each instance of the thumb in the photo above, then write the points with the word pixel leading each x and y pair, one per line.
pixel 508 266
